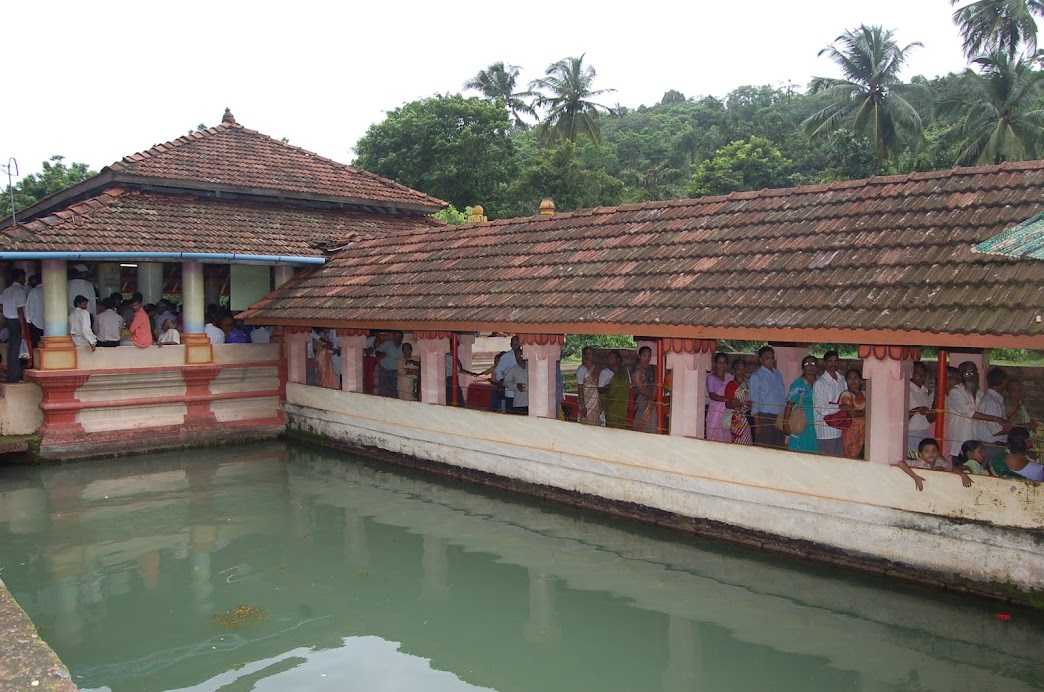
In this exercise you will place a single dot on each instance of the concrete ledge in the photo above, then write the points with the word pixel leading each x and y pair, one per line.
pixel 26 662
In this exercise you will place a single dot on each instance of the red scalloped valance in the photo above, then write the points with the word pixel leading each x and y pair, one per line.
pixel 542 339
pixel 889 352
pixel 352 332
pixel 432 335
pixel 673 345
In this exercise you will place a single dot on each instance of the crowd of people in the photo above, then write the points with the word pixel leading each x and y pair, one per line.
pixel 103 322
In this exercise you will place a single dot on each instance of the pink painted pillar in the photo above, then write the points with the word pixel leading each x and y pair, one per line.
pixel 788 362
pixel 886 409
pixel 296 344
pixel 431 351
pixel 542 366
pixel 689 392
pixel 465 342
pixel 353 343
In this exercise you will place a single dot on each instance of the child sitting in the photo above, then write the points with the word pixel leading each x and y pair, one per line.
pixel 928 457
pixel 972 459
pixel 170 335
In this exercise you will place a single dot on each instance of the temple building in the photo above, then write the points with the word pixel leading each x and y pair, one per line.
pixel 221 214
pixel 887 266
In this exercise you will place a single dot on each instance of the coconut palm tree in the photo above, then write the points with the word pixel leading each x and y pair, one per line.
pixel 868 100
pixel 991 25
pixel 1001 118
pixel 497 83
pixel 566 90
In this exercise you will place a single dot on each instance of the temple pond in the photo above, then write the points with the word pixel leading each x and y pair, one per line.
pixel 274 567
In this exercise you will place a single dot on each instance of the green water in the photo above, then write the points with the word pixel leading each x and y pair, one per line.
pixel 369 579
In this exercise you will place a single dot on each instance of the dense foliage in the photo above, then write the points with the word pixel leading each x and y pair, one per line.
pixel 54 176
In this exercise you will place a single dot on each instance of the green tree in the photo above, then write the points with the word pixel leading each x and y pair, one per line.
pixel 54 176
pixel 750 164
pixel 563 172
pixel 565 92
pixel 672 96
pixel 497 82
pixel 455 148
pixel 869 100
pixel 1002 118
pixel 988 26
pixel 452 215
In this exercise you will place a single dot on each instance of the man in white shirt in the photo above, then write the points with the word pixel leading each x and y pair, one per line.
pixel 34 309
pixel 992 409
pixel 827 390
pixel 962 410
pixel 516 381
pixel 919 408
pixel 164 312
pixel 214 333
pixel 508 360
pixel 80 324
pixel 80 286
pixel 110 325
pixel 13 299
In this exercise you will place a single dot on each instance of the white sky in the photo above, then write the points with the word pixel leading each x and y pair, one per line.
pixel 98 80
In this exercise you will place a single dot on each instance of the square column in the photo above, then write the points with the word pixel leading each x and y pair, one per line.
pixel 281 273
pixel 465 344
pixel 150 281
pixel 198 349
pixel 353 343
pixel 883 368
pixel 295 346
pixel 57 351
pixel 689 361
pixel 788 361
pixel 432 348
pixel 542 353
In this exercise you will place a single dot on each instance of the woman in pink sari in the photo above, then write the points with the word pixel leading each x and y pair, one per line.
pixel 717 380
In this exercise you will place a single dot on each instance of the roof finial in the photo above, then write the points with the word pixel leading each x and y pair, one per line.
pixel 547 207
pixel 228 118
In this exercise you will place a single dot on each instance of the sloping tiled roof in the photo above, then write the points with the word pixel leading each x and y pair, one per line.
pixel 1024 240
pixel 233 155
pixel 886 254
pixel 121 220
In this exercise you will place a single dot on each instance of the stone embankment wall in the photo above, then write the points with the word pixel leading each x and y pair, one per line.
pixel 26 662
pixel 986 538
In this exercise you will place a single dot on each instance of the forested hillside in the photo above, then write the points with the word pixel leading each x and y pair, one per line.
pixel 559 136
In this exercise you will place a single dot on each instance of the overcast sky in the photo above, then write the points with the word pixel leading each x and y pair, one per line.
pixel 95 81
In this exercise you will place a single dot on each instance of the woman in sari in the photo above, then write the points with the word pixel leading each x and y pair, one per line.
pixel 800 396
pixel 644 383
pixel 854 401
pixel 325 375
pixel 617 393
pixel 717 380
pixel 587 386
pixel 737 400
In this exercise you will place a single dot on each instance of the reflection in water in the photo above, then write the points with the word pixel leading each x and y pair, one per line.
pixel 372 579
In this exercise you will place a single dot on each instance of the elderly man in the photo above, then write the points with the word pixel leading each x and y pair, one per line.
pixel 80 286
pixel 962 409
pixel 508 360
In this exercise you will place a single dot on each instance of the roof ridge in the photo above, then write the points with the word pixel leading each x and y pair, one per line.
pixel 162 147
pixel 347 167
pixel 810 188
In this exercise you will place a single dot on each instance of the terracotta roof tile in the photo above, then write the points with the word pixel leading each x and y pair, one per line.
pixel 888 253
pixel 129 221
pixel 232 155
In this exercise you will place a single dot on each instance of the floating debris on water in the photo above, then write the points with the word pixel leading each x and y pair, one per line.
pixel 241 615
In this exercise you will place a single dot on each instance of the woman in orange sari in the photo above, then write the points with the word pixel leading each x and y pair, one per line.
pixel 853 438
